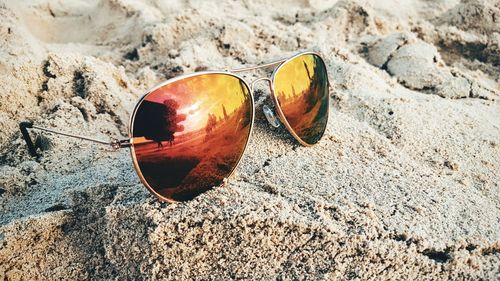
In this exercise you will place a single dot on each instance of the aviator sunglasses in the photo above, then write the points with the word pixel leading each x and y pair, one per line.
pixel 189 133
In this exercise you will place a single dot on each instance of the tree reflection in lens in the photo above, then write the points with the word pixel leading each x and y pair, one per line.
pixel 301 87
pixel 190 134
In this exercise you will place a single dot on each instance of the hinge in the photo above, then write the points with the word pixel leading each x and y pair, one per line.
pixel 117 144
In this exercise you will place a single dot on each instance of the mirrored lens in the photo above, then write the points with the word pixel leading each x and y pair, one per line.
pixel 190 134
pixel 301 89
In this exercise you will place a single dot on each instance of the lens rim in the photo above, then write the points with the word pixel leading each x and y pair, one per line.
pixel 281 115
pixel 164 83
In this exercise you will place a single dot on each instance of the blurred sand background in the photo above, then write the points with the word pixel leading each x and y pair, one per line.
pixel 404 185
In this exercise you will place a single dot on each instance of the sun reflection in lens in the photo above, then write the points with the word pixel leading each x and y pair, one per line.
pixel 190 134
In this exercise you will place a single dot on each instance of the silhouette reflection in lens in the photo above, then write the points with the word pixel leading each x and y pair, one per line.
pixel 189 135
pixel 301 88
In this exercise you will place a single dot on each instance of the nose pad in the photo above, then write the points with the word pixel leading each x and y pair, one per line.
pixel 271 118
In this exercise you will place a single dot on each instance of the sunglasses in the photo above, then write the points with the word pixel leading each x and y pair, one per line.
pixel 189 133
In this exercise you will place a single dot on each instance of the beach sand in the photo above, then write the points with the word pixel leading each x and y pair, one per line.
pixel 404 184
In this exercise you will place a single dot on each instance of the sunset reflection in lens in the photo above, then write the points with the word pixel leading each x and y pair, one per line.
pixel 189 135
pixel 301 89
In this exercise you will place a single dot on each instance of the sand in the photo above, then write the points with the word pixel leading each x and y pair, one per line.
pixel 404 184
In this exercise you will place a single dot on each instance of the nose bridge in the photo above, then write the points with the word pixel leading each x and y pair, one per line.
pixel 254 82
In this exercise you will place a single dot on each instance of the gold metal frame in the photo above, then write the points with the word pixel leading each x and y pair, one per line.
pixel 116 144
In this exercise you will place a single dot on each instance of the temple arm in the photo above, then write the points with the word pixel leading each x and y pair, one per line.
pixel 24 126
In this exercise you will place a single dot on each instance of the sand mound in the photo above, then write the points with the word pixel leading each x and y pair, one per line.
pixel 404 184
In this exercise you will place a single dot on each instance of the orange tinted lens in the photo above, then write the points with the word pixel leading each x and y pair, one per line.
pixel 301 88
pixel 189 135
